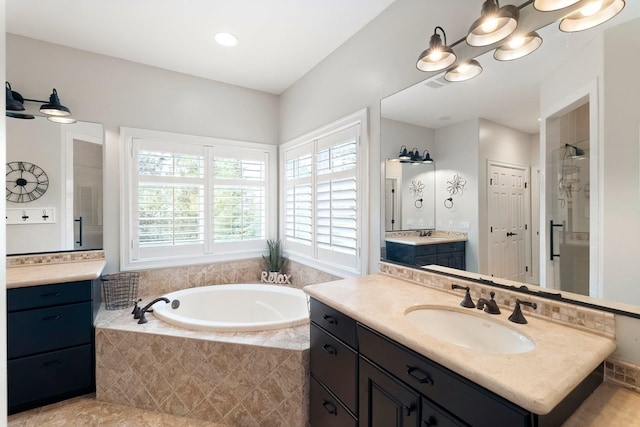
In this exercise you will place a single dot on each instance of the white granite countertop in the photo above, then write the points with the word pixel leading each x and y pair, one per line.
pixel 426 240
pixel 537 380
pixel 47 274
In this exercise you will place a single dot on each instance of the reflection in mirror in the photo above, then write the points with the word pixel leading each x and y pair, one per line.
pixel 499 127
pixel 68 215
pixel 409 195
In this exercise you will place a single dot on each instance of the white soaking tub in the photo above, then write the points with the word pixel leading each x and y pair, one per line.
pixel 235 308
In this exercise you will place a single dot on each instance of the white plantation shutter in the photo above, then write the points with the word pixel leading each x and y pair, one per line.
pixel 191 199
pixel 320 191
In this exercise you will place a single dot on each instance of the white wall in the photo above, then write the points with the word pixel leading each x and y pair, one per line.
pixel 501 144
pixel 119 93
pixel 456 152
pixel 376 62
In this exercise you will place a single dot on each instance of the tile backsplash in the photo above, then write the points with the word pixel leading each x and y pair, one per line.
pixel 53 258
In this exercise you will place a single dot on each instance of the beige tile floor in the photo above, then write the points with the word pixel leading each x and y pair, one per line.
pixel 87 411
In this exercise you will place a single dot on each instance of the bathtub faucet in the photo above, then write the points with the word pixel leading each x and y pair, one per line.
pixel 147 307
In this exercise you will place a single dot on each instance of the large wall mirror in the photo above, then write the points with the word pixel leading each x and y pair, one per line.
pixel 549 148
pixel 67 216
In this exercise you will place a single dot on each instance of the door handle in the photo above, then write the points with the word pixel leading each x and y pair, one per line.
pixel 551 254
pixel 511 234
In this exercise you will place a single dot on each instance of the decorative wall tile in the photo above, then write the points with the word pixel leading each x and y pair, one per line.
pixel 622 373
pixel 53 258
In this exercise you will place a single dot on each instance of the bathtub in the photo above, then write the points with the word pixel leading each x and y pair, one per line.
pixel 235 308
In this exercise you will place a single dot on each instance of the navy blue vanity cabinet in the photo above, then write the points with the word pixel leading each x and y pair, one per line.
pixel 450 254
pixel 50 343
pixel 334 368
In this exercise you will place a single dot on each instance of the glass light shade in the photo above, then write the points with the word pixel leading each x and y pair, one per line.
pixel 518 46
pixel 437 57
pixel 592 14
pixel 551 5
pixel 62 119
pixel 494 25
pixel 464 71
pixel 15 115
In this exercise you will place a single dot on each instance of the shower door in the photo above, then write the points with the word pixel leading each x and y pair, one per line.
pixel 568 200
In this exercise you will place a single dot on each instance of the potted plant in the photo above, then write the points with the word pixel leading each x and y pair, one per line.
pixel 274 261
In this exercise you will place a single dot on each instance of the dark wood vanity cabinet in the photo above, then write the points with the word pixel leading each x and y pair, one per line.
pixel 450 254
pixel 50 343
pixel 358 374
pixel 334 368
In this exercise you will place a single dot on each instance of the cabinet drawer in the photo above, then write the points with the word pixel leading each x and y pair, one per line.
pixel 45 329
pixel 37 378
pixel 434 416
pixel 427 260
pixel 48 295
pixel 335 365
pixel 422 250
pixel 332 320
pixel 466 400
pixel 327 411
pixel 450 247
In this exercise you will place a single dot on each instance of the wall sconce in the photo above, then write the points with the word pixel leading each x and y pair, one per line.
pixel 592 14
pixel 494 24
pixel 438 56
pixel 53 109
pixel 518 46
pixel 463 71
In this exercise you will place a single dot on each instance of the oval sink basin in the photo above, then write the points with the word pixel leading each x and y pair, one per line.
pixel 472 330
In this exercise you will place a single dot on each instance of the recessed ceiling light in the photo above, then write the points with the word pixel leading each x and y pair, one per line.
pixel 226 39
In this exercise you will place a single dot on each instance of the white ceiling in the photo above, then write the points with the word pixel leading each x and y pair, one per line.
pixel 506 92
pixel 279 40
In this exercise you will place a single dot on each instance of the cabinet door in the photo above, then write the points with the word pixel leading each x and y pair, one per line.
pixel 384 402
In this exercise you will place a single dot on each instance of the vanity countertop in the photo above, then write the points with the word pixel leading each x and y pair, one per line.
pixel 537 380
pixel 426 240
pixel 50 273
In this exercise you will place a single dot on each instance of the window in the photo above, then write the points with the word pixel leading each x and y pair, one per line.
pixel 323 188
pixel 193 199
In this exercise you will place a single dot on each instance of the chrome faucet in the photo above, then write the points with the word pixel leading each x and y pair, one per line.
pixel 490 306
pixel 146 308
pixel 517 316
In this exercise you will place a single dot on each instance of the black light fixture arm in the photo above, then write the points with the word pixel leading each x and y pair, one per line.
pixel 444 35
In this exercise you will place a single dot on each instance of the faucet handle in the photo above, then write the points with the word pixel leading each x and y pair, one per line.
pixel 467 301
pixel 517 316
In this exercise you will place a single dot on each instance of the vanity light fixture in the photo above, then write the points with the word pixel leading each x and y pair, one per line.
pixel 551 5
pixel 438 56
pixel 593 13
pixel 427 158
pixel 495 23
pixel 53 109
pixel 463 71
pixel 404 154
pixel 415 156
pixel 518 46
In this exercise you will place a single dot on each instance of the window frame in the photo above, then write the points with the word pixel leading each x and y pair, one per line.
pixel 310 255
pixel 221 251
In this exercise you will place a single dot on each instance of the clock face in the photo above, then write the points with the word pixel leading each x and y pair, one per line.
pixel 25 182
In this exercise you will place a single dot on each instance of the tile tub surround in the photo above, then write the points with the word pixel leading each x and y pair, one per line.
pixel 537 380
pixel 165 280
pixel 237 379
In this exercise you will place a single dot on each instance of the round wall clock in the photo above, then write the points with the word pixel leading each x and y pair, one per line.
pixel 26 182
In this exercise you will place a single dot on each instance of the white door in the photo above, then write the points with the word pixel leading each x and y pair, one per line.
pixel 508 221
